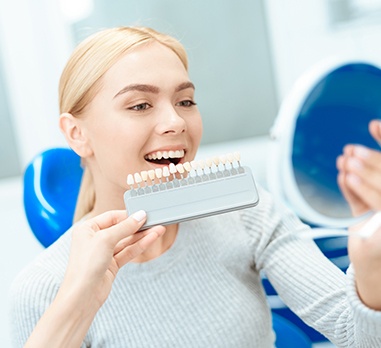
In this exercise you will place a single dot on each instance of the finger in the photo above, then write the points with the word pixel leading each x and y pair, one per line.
pixel 130 240
pixel 375 130
pixel 132 251
pixel 356 204
pixel 106 219
pixel 371 158
pixel 348 150
pixel 340 163
pixel 124 228
pixel 368 194
pixel 367 171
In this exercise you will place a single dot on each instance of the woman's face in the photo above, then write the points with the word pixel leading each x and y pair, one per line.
pixel 145 111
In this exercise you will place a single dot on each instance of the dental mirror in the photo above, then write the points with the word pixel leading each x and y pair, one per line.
pixel 330 106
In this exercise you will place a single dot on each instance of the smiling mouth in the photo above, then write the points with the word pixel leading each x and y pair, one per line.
pixel 165 157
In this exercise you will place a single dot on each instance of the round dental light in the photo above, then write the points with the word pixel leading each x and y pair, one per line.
pixel 329 106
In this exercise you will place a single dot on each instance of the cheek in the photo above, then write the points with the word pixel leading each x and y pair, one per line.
pixel 195 129
pixel 116 146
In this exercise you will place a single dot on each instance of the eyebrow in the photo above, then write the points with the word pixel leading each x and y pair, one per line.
pixel 152 89
pixel 138 87
pixel 184 85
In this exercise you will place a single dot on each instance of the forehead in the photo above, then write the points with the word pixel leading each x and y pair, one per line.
pixel 145 64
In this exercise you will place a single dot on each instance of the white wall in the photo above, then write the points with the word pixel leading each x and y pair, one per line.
pixel 302 34
pixel 35 43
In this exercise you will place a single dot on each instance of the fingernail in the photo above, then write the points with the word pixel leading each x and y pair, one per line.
pixel 361 151
pixel 139 215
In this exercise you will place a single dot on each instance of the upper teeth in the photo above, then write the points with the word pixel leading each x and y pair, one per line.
pixel 165 154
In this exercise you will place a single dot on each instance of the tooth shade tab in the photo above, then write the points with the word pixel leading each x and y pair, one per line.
pixel 201 164
pixel 172 168
pixel 237 156
pixel 151 174
pixel 180 168
pixel 138 178
pixel 194 165
pixel 165 172
pixel 187 167
pixel 144 175
pixel 130 180
pixel 209 162
pixel 158 173
pixel 230 157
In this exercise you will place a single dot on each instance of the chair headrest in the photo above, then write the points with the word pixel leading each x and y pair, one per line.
pixel 51 185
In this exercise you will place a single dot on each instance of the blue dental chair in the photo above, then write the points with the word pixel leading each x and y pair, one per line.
pixel 51 185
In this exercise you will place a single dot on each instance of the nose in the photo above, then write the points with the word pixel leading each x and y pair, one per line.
pixel 170 122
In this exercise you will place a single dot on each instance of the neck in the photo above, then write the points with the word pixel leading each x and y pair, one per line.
pixel 161 245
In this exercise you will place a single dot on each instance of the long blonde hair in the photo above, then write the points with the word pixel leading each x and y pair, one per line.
pixel 81 80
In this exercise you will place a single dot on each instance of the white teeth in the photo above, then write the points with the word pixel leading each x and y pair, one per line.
pixel 165 154
pixel 196 166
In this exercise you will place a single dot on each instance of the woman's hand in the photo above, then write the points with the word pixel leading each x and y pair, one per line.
pixel 365 256
pixel 100 247
pixel 359 175
pixel 360 182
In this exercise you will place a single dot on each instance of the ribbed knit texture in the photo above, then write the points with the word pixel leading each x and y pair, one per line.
pixel 206 291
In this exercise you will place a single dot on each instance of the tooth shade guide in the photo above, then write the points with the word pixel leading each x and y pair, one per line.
pixel 189 201
pixel 194 171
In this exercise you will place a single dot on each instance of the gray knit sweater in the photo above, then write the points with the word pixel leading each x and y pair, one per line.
pixel 206 291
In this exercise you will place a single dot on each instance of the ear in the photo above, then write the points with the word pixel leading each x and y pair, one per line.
pixel 75 135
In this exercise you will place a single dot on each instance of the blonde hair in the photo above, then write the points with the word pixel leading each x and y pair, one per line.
pixel 81 80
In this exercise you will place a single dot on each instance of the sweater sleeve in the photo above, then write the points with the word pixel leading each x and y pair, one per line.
pixel 310 284
pixel 31 294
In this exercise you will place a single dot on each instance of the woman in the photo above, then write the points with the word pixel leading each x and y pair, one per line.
pixel 126 98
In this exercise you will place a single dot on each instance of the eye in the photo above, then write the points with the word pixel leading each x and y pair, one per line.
pixel 140 107
pixel 186 103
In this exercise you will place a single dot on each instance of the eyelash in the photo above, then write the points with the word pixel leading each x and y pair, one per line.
pixel 146 106
pixel 137 107
pixel 190 103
